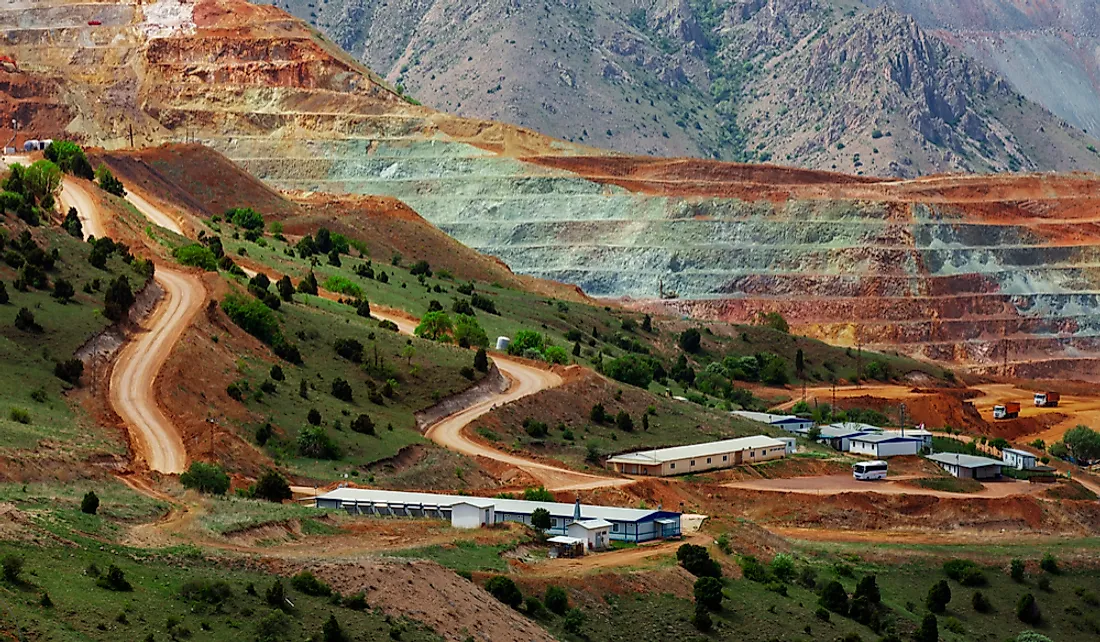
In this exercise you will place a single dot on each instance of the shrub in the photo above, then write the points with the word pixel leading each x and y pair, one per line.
pixel 196 255
pixel 753 570
pixel 981 603
pixel 929 630
pixel 208 591
pixel 598 414
pixel 938 597
pixel 505 590
pixel 1049 564
pixel 271 486
pixel 306 582
pixel 25 321
pixel 264 434
pixel 331 631
pixel 867 588
pixel 19 415
pixel 822 614
pixel 70 158
pixel 557 600
pixel 702 620
pixel 533 606
pixel 436 326
pixel 206 478
pixel 70 370
pixel 108 183
pixel 624 422
pixel 89 505
pixel 357 602
pixel 964 572
pixel 341 389
pixel 275 595
pixel 114 580
pixel 539 494
pixel 690 340
pixel 540 519
pixel 12 568
pixel 63 291
pixel 782 567
pixel 118 299
pixel 363 425
pixel 315 442
pixel 697 561
pixel 1017 570
pixel 275 626
pixel 245 217
pixel 484 303
pixel 632 369
pixel 468 332
pixel 834 598
pixel 1027 610
pixel 574 621
pixel 1044 584
pixel 708 593
pixel 555 354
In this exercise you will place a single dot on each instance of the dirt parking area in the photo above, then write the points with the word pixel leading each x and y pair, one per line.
pixel 837 484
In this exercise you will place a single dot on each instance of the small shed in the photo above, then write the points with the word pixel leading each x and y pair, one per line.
pixel 886 445
pixel 790 443
pixel 473 513
pixel 839 436
pixel 1019 459
pixel 596 533
pixel 503 343
pixel 563 546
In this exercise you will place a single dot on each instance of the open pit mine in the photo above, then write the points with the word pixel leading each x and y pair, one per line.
pixel 990 272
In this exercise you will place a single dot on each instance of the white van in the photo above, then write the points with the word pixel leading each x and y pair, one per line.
pixel 868 470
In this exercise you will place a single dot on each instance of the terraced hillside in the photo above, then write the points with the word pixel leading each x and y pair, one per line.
pixel 982 270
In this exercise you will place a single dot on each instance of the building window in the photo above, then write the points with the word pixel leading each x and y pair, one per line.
pixel 692 462
pixel 725 457
pixel 553 522
pixel 708 460
pixel 672 465
pixel 615 527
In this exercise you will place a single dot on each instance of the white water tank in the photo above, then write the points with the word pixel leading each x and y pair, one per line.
pixel 503 343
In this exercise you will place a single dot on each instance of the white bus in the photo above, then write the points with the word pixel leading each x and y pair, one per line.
pixel 868 470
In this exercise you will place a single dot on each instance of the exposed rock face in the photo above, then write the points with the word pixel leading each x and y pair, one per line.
pixel 974 270
pixel 805 82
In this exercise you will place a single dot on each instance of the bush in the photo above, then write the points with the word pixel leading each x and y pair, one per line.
pixel 834 598
pixel 89 505
pixel 114 580
pixel 632 369
pixel 533 606
pixel 363 425
pixel 208 591
pixel 357 602
pixel 25 321
pixel 196 255
pixel 315 442
pixel 929 630
pixel 539 494
pixel 505 590
pixel 598 414
pixel 753 570
pixel 574 621
pixel 264 433
pixel 1017 570
pixel 481 360
pixel 1027 610
pixel 964 572
pixel 205 478
pixel 557 600
pixel 306 582
pixel 484 303
pixel 690 340
pixel 1049 564
pixel 70 158
pixel 245 217
pixel 708 593
pixel 70 370
pixel 19 415
pixel 118 299
pixel 12 568
pixel 702 620
pixel 271 486
pixel 822 614
pixel 981 603
pixel 697 561
pixel 341 389
pixel 938 597
pixel 108 183
pixel 782 567
pixel 623 422
pixel 275 595
pixel 63 291
pixel 331 631
pixel 468 332
pixel 435 326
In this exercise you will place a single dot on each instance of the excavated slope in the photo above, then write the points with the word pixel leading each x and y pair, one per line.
pixel 981 270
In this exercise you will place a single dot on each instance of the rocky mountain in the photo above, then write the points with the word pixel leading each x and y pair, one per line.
pixel 966 269
pixel 1047 50
pixel 825 84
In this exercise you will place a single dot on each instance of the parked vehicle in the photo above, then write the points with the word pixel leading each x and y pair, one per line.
pixel 869 470
pixel 1047 399
pixel 1010 410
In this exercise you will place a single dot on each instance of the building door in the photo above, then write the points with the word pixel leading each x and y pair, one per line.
pixel 737 458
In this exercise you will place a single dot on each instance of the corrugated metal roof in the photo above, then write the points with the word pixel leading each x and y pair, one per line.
pixel 1017 451
pixel 518 506
pixel 966 461
pixel 591 524
pixel 697 450
pixel 766 417
pixel 836 431
pixel 878 439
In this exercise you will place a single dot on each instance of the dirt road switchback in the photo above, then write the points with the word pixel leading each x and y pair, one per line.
pixel 75 195
pixel 133 381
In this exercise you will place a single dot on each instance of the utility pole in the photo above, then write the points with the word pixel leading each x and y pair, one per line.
pixel 131 135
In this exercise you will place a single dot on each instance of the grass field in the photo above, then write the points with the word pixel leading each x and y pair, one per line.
pixel 463 556
pixel 156 605
pixel 53 428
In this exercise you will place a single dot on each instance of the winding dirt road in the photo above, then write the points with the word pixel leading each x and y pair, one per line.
pixel 155 439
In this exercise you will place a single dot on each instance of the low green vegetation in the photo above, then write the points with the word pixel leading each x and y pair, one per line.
pixel 949 484
pixel 463 556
